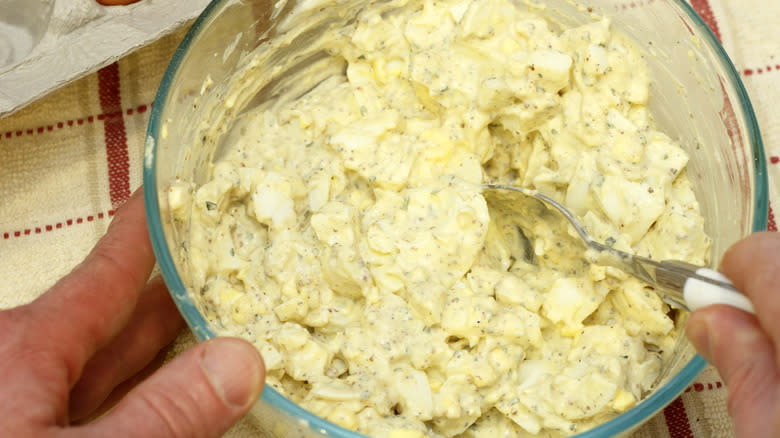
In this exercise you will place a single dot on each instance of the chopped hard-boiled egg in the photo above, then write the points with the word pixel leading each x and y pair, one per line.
pixel 345 234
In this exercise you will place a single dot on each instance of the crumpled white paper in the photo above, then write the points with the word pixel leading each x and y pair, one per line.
pixel 83 36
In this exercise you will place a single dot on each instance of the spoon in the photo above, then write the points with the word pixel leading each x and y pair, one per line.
pixel 681 284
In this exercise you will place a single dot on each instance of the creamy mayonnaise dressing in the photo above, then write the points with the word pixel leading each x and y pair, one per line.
pixel 344 232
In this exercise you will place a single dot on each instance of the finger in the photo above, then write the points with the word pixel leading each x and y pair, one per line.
pixel 122 389
pixel 154 324
pixel 753 265
pixel 202 393
pixel 733 341
pixel 27 376
pixel 87 308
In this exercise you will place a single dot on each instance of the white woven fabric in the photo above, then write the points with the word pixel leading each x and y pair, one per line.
pixel 66 162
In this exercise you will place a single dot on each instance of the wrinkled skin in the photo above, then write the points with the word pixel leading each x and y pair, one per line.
pixel 83 359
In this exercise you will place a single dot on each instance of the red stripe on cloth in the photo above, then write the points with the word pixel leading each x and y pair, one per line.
pixel 116 137
pixel 771 225
pixel 699 387
pixel 759 70
pixel 704 10
pixel 68 124
pixel 57 226
pixel 677 420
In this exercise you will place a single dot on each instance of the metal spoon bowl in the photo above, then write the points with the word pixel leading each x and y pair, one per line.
pixel 680 284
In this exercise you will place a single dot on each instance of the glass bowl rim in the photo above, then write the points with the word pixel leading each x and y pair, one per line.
pixel 198 324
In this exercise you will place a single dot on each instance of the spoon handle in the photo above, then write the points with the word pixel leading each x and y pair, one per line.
pixel 696 287
pixel 701 293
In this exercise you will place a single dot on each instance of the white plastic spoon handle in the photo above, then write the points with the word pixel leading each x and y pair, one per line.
pixel 700 293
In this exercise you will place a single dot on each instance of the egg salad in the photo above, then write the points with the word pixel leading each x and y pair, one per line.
pixel 345 234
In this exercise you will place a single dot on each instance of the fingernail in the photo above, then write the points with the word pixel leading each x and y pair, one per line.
pixel 235 371
pixel 699 331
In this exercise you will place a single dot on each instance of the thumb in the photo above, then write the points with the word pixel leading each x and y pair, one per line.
pixel 201 393
pixel 743 353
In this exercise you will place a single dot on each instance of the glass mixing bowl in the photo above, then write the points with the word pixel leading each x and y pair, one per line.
pixel 697 98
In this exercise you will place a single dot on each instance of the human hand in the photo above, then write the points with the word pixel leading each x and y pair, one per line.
pixel 744 347
pixel 92 343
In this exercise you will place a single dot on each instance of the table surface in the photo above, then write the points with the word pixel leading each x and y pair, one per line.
pixel 70 160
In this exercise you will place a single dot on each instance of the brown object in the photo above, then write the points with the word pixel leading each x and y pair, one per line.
pixel 116 2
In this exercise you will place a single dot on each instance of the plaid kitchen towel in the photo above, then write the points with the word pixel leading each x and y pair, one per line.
pixel 68 161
